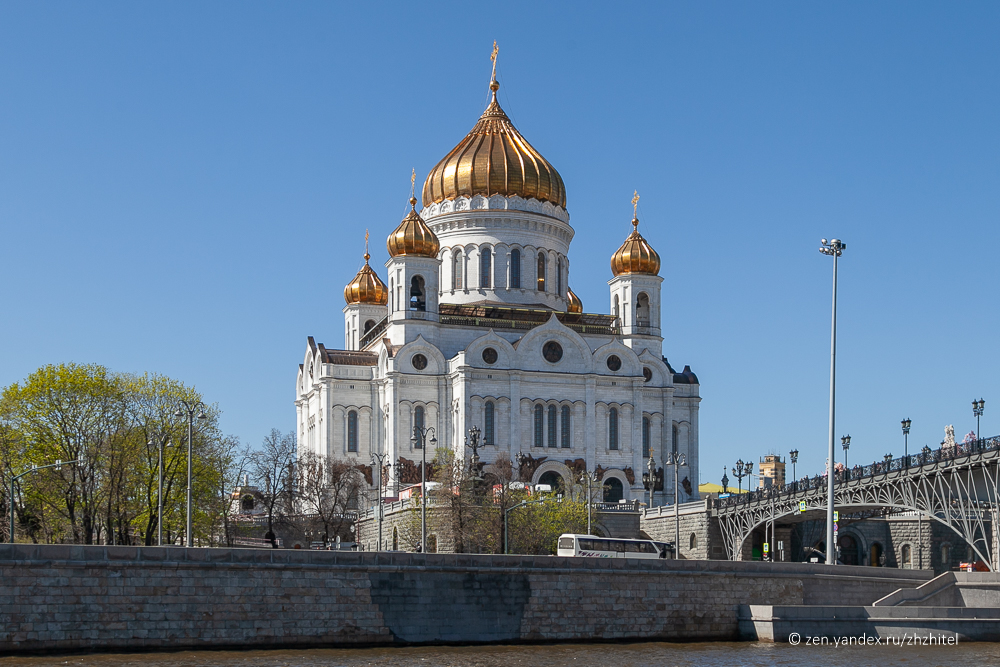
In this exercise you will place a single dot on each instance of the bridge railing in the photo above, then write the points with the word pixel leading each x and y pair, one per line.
pixel 925 457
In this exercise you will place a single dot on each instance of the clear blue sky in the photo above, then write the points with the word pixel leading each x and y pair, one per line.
pixel 184 189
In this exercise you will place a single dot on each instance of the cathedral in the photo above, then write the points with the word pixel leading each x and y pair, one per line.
pixel 475 325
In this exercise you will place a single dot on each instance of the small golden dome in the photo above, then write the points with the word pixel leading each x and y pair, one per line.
pixel 366 287
pixel 635 255
pixel 574 305
pixel 413 236
pixel 494 159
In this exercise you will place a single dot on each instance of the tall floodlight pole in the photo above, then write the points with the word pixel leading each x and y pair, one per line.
pixel 676 460
pixel 188 409
pixel 420 439
pixel 161 442
pixel 833 248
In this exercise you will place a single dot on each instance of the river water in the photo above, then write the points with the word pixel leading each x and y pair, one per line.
pixel 651 654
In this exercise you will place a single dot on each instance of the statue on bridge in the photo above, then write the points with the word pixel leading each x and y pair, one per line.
pixel 949 437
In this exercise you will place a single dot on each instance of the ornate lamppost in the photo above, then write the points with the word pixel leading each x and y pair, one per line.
pixel 188 409
pixel 520 458
pixel 676 460
pixel 906 440
pixel 725 481
pixel 160 443
pixel 378 461
pixel 649 477
pixel 472 442
pixel 742 470
pixel 977 411
pixel 419 439
pixel 845 442
pixel 793 456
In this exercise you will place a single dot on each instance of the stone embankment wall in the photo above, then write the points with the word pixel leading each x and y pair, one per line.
pixel 71 598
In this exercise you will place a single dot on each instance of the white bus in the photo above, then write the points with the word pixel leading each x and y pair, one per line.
pixel 589 546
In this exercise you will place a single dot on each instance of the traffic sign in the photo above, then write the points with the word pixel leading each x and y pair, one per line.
pixel 767 547
pixel 802 506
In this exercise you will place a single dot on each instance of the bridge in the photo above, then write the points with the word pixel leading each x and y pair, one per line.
pixel 954 485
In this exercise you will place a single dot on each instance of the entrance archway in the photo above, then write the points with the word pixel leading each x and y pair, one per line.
pixel 875 555
pixel 553 479
pixel 613 490
pixel 849 550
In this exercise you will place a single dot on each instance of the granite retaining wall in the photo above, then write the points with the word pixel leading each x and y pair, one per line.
pixel 61 598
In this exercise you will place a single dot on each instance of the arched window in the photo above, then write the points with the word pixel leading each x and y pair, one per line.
pixel 645 437
pixel 541 272
pixel 395 538
pixel 485 267
pixel 368 325
pixel 552 426
pixel 418 299
pixel 559 277
pixel 673 439
pixel 539 413
pixel 352 431
pixel 247 504
pixel 515 269
pixel 565 427
pixel 613 429
pixel 907 559
pixel 418 424
pixel 693 541
pixel 946 555
pixel 488 424
pixel 642 310
pixel 615 308
pixel 457 267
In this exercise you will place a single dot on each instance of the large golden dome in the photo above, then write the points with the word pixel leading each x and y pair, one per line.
pixel 494 159
pixel 574 304
pixel 413 236
pixel 366 287
pixel 635 255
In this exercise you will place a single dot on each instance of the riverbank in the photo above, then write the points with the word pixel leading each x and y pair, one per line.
pixel 63 598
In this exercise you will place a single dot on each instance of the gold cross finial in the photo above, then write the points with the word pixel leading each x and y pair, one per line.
pixel 635 208
pixel 367 256
pixel 493 77
pixel 413 181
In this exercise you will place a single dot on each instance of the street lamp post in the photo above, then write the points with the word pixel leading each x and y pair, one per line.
pixel 189 409
pixel 833 248
pixel 793 456
pixel 725 481
pixel 977 411
pixel 378 460
pixel 472 442
pixel 161 442
pixel 743 470
pixel 845 442
pixel 508 511
pixel 419 439
pixel 676 460
pixel 906 440
pixel 14 478
pixel 587 477
pixel 649 477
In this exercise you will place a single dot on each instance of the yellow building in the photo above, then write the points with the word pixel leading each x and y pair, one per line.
pixel 772 471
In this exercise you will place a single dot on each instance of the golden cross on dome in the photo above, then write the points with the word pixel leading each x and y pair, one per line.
pixel 367 256
pixel 635 208
pixel 413 181
pixel 493 57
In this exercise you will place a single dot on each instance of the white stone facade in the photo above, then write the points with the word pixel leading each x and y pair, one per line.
pixel 459 355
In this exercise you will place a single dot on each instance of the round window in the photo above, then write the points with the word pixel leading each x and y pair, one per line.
pixel 419 362
pixel 647 373
pixel 614 363
pixel 552 351
pixel 490 355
